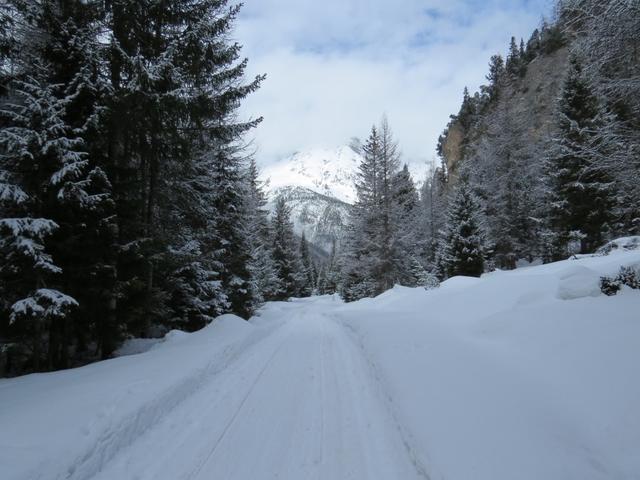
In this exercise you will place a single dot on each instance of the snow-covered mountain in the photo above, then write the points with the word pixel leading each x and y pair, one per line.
pixel 322 218
pixel 318 186
pixel 329 172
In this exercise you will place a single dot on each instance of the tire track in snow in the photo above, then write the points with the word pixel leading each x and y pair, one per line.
pixel 405 435
pixel 323 396
pixel 198 469
pixel 122 435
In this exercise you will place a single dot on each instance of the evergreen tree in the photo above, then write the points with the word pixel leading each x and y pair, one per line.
pixel 230 241
pixel 405 220
pixel 360 256
pixel 581 192
pixel 308 268
pixel 433 202
pixel 422 277
pixel 505 178
pixel 176 87
pixel 264 279
pixel 387 271
pixel 551 37
pixel 495 75
pixel 290 271
pixel 461 250
pixel 329 277
pixel 609 49
pixel 382 228
pixel 532 49
pixel 468 110
pixel 121 165
pixel 193 280
pixel 513 59
pixel 49 176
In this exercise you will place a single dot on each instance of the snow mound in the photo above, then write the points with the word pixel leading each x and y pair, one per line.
pixel 501 378
pixel 95 412
pixel 579 282
pixel 135 346
pixel 624 243
pixel 459 282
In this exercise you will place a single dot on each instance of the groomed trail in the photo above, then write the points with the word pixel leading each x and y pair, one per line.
pixel 300 404
pixel 527 374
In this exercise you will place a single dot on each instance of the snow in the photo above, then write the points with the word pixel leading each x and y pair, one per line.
pixel 625 243
pixel 529 374
pixel 44 302
pixel 330 172
pixel 134 346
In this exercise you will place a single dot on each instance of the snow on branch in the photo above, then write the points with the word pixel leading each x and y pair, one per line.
pixel 44 303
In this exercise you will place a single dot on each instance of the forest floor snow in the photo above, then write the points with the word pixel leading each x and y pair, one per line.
pixel 527 374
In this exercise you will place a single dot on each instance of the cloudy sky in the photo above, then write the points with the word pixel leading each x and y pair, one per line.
pixel 335 66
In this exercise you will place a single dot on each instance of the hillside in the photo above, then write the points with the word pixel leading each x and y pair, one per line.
pixel 329 172
pixel 546 144
pixel 322 218
pixel 524 107
pixel 319 187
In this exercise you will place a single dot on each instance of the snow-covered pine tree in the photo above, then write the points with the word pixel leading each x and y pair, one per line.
pixel 359 256
pixel 286 253
pixel 608 42
pixel 405 225
pixel 495 77
pixel 51 112
pixel 264 277
pixel 83 245
pixel 513 64
pixel 230 232
pixel 422 277
pixel 309 269
pixel 387 274
pixel 505 178
pixel 329 275
pixel 177 84
pixel 581 191
pixel 461 250
pixel 532 49
pixel 35 146
pixel 195 293
pixel 372 254
pixel 433 201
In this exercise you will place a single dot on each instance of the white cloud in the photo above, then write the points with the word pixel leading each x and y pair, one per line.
pixel 334 67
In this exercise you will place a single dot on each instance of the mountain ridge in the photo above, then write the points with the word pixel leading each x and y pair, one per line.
pixel 318 185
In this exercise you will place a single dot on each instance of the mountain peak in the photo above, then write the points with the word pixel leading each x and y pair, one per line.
pixel 329 172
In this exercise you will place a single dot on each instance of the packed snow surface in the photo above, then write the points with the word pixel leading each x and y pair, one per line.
pixel 528 375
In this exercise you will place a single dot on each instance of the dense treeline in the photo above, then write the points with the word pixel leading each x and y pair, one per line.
pixel 128 203
pixel 550 147
pixel 542 163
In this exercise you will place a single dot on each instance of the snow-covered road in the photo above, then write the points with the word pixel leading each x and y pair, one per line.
pixel 530 374
pixel 300 404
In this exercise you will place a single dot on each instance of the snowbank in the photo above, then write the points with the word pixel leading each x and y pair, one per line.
pixel 69 424
pixel 529 374
pixel 135 346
